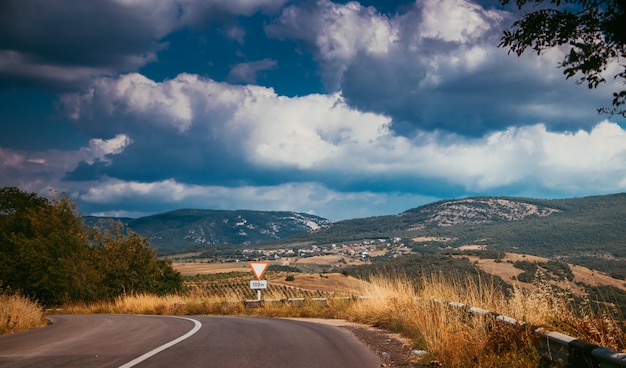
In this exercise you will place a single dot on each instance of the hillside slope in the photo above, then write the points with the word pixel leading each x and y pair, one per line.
pixel 189 228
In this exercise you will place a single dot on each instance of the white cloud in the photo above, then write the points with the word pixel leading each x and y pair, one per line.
pixel 247 72
pixel 455 20
pixel 101 149
pixel 305 197
pixel 39 171
pixel 316 135
pixel 338 32
pixel 270 130
pixel 569 163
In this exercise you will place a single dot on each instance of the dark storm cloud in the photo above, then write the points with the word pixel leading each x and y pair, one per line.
pixel 40 40
pixel 65 43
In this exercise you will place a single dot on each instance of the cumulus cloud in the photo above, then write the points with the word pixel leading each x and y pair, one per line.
pixel 245 129
pixel 264 128
pixel 338 32
pixel 322 134
pixel 436 66
pixel 454 20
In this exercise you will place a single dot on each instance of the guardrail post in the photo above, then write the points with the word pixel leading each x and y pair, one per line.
pixel 253 303
pixel 580 355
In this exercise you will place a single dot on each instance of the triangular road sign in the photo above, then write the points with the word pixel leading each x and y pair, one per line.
pixel 259 268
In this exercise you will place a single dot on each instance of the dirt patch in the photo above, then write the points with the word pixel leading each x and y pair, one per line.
pixel 421 239
pixel 472 247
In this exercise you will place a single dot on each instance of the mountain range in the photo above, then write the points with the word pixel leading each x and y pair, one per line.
pixel 193 228
pixel 580 230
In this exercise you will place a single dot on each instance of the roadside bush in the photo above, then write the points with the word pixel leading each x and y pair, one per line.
pixel 18 313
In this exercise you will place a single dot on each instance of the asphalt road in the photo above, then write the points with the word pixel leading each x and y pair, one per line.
pixel 126 341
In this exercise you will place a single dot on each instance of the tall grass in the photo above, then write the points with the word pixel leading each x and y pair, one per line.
pixel 18 313
pixel 460 339
pixel 450 335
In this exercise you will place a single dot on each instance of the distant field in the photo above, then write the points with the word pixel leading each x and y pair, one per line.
pixel 208 268
pixel 327 282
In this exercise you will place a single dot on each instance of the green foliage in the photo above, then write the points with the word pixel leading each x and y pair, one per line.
pixel 482 254
pixel 593 29
pixel 127 264
pixel 47 252
pixel 613 267
pixel 283 268
pixel 550 269
pixel 415 267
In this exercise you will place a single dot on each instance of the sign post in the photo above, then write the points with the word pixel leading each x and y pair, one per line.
pixel 258 268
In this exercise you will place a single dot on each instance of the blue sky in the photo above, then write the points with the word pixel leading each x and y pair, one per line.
pixel 339 109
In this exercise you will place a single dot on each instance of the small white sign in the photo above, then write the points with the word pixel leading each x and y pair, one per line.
pixel 258 284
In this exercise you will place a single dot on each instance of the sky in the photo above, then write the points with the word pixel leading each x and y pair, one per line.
pixel 338 109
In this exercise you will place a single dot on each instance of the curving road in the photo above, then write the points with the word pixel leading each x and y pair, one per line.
pixel 201 341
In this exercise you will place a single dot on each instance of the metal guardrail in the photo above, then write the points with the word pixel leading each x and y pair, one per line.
pixel 576 353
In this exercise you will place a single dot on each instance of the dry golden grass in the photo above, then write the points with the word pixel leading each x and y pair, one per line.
pixel 18 313
pixel 459 339
pixel 450 335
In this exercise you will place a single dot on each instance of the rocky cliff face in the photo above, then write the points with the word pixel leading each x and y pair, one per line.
pixel 472 211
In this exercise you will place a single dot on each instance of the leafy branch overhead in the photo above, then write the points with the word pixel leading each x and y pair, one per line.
pixel 595 30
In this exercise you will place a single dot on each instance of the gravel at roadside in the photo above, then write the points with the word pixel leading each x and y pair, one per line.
pixel 381 341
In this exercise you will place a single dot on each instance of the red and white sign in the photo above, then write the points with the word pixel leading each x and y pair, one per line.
pixel 259 268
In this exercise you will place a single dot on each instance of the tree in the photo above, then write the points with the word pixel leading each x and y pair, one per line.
pixel 127 264
pixel 48 253
pixel 595 31
pixel 41 247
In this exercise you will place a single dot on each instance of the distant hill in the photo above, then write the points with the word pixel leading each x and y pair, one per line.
pixel 187 229
pixel 584 231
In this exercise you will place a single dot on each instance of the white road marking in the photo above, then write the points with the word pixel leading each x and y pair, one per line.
pixel 151 353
